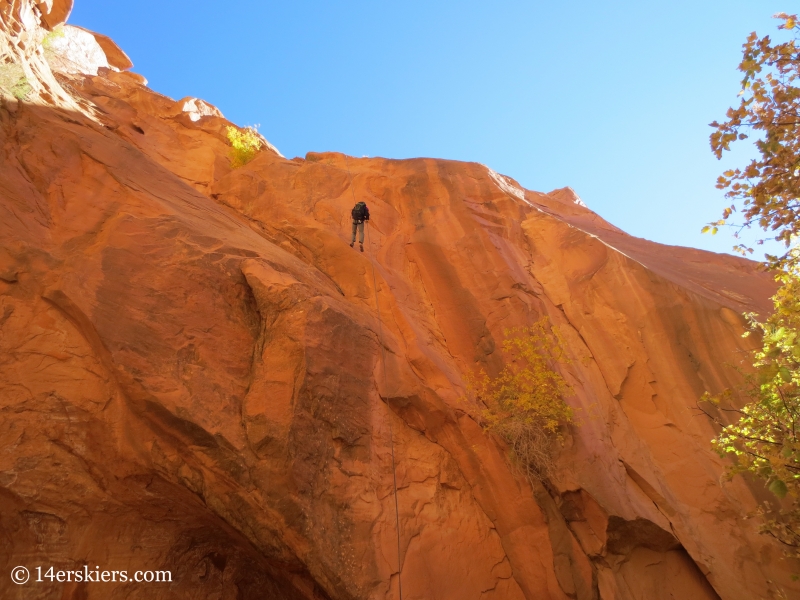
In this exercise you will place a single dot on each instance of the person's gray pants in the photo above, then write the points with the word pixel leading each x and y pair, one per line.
pixel 360 227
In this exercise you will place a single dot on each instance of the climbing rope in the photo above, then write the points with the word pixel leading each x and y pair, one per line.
pixel 383 362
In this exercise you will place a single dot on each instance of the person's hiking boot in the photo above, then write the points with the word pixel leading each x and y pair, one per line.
pixel 351 244
pixel 362 247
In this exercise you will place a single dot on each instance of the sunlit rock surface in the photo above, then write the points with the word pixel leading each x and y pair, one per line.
pixel 191 371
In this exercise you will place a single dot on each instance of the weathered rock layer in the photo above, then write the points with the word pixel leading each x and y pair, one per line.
pixel 197 373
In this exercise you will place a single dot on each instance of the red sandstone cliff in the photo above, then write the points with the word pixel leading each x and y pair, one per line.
pixel 191 376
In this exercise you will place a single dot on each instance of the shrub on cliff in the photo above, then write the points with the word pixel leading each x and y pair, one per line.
pixel 765 441
pixel 768 187
pixel 245 144
pixel 13 81
pixel 524 404
pixel 51 36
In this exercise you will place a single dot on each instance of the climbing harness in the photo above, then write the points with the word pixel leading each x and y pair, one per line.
pixel 383 362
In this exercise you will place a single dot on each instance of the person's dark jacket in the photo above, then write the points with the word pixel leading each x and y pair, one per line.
pixel 360 212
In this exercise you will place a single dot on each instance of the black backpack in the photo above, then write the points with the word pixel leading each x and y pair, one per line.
pixel 359 211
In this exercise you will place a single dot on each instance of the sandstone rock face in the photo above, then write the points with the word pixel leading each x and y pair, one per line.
pixel 23 25
pixel 197 109
pixel 53 12
pixel 114 55
pixel 198 374
pixel 76 51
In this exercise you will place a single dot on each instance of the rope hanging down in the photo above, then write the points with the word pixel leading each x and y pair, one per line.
pixel 383 362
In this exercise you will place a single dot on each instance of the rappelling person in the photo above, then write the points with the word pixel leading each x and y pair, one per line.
pixel 360 214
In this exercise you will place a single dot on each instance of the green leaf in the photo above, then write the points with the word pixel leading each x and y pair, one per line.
pixel 778 488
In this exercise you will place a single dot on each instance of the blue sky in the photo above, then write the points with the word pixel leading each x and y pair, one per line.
pixel 611 98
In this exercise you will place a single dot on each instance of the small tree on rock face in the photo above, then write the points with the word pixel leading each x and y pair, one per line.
pixel 524 404
pixel 764 441
pixel 769 187
pixel 245 144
